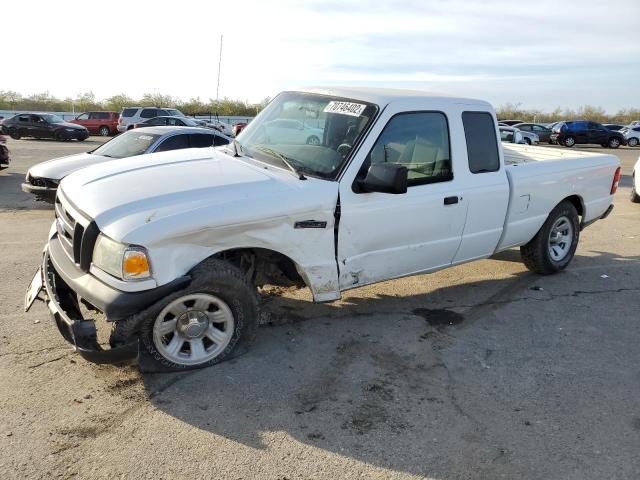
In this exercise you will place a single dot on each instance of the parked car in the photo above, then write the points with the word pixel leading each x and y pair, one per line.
pixel 172 247
pixel 42 180
pixel 101 123
pixel 543 133
pixel 237 128
pixel 510 123
pixel 613 126
pixel 585 132
pixel 632 135
pixel 635 196
pixel 43 125
pixel 131 115
pixel 170 121
pixel 515 135
pixel 4 153
pixel 290 131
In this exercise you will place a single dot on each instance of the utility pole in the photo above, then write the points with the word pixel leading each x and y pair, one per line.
pixel 218 87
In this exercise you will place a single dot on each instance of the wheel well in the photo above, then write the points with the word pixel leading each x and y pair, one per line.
pixel 576 201
pixel 263 266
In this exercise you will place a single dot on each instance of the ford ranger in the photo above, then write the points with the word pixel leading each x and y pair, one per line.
pixel 172 247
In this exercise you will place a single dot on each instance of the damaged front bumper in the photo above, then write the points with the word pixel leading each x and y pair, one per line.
pixel 65 286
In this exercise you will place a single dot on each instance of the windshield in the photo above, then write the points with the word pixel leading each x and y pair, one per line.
pixel 52 119
pixel 189 123
pixel 557 127
pixel 174 113
pixel 313 133
pixel 127 144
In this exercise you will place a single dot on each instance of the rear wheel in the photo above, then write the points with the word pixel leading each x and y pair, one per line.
pixel 313 140
pixel 206 323
pixel 104 131
pixel 527 140
pixel 569 142
pixel 59 137
pixel 15 134
pixel 614 142
pixel 554 246
pixel 635 198
pixel 632 142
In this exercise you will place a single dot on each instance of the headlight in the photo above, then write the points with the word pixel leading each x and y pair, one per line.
pixel 122 261
pixel 70 129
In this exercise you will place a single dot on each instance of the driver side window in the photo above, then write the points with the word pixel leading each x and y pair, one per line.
pixel 418 141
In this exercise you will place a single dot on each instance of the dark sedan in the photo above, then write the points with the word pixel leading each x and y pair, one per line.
pixel 43 125
pixel 544 133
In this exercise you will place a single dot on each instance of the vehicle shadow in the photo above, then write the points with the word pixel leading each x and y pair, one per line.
pixel 410 383
pixel 13 198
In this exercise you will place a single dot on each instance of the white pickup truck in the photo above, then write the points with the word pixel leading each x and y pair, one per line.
pixel 171 247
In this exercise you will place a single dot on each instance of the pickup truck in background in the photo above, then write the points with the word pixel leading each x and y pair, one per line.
pixel 171 247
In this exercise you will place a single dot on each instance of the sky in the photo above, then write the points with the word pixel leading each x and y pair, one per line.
pixel 540 54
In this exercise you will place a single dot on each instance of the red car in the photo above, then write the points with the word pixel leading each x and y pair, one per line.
pixel 102 123
pixel 237 128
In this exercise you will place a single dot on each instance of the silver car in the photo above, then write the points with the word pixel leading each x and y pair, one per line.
pixel 515 135
pixel 42 179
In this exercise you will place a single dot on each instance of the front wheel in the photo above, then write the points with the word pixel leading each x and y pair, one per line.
pixel 313 140
pixel 569 142
pixel 614 142
pixel 635 198
pixel 15 134
pixel 527 141
pixel 632 142
pixel 206 323
pixel 554 246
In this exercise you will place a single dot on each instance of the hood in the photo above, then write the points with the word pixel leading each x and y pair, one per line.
pixel 161 195
pixel 75 126
pixel 58 168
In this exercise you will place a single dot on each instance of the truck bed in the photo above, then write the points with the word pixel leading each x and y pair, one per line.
pixel 541 177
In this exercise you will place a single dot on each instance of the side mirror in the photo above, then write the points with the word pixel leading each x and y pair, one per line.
pixel 385 178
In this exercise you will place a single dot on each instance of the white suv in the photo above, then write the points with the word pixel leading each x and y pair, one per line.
pixel 131 115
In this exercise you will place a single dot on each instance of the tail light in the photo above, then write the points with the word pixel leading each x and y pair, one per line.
pixel 616 181
pixel 120 121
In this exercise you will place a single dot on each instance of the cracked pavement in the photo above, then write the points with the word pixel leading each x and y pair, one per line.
pixel 480 371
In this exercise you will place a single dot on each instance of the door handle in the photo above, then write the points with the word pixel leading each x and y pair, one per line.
pixel 450 200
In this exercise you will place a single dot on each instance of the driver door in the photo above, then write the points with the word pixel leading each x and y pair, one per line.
pixel 383 236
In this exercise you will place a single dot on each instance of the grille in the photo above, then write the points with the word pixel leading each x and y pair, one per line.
pixel 69 231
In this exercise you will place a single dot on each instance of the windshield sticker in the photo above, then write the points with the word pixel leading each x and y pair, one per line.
pixel 345 108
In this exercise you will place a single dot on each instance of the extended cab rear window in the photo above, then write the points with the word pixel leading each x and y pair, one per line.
pixel 482 143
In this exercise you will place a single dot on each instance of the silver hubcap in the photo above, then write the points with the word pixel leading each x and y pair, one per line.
pixel 614 142
pixel 633 142
pixel 193 329
pixel 560 238
pixel 104 131
pixel 569 141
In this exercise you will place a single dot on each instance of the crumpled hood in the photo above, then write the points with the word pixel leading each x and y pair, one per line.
pixel 163 195
pixel 59 168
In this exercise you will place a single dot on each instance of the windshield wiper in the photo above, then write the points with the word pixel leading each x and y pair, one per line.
pixel 284 160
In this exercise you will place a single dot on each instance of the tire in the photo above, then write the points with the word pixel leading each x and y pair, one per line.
pixel 59 137
pixel 313 140
pixel 633 142
pixel 227 289
pixel 527 141
pixel 81 139
pixel 538 256
pixel 15 134
pixel 614 142
pixel 104 131
pixel 635 198
pixel 569 141
pixel 603 145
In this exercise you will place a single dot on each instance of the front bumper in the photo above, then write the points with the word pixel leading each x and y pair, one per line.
pixel 66 285
pixel 48 194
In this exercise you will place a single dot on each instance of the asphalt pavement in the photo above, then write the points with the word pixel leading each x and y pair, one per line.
pixel 483 371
